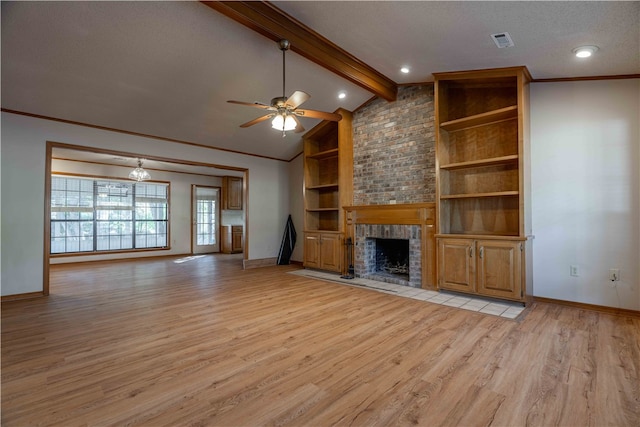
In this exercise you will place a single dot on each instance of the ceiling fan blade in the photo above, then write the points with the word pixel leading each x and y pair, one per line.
pixel 297 98
pixel 256 121
pixel 299 128
pixel 333 117
pixel 252 104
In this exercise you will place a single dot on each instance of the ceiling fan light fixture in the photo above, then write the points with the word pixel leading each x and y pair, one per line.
pixel 283 122
pixel 278 122
pixel 139 174
pixel 585 51
pixel 289 123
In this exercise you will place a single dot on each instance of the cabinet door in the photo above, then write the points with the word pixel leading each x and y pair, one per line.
pixel 312 250
pixel 331 252
pixel 456 265
pixel 232 198
pixel 499 268
pixel 226 239
pixel 237 240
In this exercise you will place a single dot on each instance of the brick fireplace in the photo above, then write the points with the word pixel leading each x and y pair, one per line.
pixel 411 222
pixel 394 183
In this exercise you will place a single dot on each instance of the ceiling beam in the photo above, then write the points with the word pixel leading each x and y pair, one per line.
pixel 266 19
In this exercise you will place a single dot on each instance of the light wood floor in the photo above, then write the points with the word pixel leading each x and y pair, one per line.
pixel 203 342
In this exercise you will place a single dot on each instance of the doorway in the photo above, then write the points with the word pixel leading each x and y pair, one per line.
pixel 205 214
pixel 76 159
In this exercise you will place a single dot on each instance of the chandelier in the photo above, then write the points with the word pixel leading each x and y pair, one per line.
pixel 139 174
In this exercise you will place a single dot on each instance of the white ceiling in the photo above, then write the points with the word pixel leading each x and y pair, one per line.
pixel 168 68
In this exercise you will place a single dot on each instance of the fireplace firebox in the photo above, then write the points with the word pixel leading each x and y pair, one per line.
pixel 392 258
pixel 389 253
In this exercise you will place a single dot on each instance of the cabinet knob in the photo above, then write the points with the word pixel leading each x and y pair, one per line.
pixel 470 252
pixel 481 251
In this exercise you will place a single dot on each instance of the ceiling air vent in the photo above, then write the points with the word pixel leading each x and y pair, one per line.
pixel 502 40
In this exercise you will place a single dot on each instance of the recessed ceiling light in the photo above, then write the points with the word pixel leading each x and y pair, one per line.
pixel 342 94
pixel 585 51
pixel 405 70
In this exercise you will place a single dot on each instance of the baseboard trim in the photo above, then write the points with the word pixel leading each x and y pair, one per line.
pixel 20 297
pixel 593 307
pixel 260 262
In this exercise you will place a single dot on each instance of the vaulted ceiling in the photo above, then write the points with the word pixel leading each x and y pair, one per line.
pixel 167 68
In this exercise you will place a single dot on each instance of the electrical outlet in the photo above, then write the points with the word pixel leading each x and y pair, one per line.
pixel 573 270
pixel 614 274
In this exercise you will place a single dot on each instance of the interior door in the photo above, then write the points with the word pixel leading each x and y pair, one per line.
pixel 205 214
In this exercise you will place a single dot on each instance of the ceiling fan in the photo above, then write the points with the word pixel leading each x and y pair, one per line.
pixel 284 111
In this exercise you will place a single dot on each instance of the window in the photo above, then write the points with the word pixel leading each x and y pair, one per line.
pixel 72 215
pixel 151 215
pixel 95 215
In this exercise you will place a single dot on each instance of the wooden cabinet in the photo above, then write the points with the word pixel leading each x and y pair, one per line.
pixel 483 181
pixel 328 186
pixel 456 265
pixel 485 267
pixel 231 193
pixel 232 239
pixel 323 251
pixel 499 264
pixel 237 239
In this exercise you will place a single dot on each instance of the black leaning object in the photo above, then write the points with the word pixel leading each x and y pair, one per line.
pixel 288 243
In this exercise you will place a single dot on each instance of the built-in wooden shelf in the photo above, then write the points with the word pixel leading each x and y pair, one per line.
pixel 479 195
pixel 323 187
pixel 328 185
pixel 483 198
pixel 322 209
pixel 495 116
pixel 504 160
pixel 484 236
pixel 323 154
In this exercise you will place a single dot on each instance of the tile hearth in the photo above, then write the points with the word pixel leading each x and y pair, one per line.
pixel 505 309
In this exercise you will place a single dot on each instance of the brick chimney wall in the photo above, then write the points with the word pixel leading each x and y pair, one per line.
pixel 394 149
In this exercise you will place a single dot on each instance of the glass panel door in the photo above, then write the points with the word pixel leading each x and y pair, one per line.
pixel 205 215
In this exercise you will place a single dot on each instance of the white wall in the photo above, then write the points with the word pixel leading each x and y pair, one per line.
pixel 22 180
pixel 585 139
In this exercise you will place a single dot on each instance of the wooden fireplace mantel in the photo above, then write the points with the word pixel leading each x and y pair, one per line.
pixel 405 214
pixel 422 214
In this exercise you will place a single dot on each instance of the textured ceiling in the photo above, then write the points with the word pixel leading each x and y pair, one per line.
pixel 167 68
pixel 451 36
